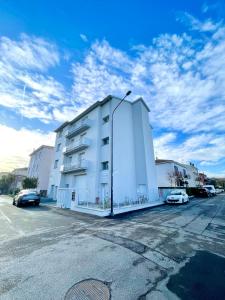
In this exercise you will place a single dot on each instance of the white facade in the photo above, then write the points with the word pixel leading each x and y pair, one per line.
pixel 20 174
pixel 172 174
pixel 40 166
pixel 80 177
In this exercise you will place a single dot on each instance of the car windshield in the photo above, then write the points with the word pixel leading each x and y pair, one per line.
pixel 209 187
pixel 28 193
pixel 176 193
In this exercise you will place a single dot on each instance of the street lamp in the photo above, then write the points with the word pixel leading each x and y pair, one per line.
pixel 111 194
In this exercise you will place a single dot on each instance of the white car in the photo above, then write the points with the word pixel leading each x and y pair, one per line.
pixel 211 189
pixel 177 196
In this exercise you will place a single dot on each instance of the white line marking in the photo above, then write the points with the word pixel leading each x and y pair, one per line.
pixel 5 217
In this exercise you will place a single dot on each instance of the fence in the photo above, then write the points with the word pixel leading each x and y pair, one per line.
pixel 72 198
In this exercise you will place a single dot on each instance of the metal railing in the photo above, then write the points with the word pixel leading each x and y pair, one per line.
pixel 80 145
pixel 78 128
pixel 80 166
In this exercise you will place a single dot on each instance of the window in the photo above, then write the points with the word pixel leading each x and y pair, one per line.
pixel 105 141
pixel 58 147
pixel 81 157
pixel 82 136
pixel 105 165
pixel 106 119
pixel 56 164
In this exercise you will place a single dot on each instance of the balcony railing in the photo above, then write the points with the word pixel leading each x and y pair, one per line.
pixel 79 167
pixel 81 145
pixel 78 128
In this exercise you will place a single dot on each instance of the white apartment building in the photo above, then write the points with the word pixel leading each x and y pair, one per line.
pixel 174 174
pixel 80 177
pixel 40 166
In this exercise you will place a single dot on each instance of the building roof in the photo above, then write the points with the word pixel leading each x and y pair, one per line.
pixel 41 147
pixel 164 161
pixel 20 169
pixel 93 106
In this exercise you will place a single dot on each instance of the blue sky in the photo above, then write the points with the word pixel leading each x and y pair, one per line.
pixel 58 57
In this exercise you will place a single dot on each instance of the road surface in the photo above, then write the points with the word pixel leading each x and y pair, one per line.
pixel 167 252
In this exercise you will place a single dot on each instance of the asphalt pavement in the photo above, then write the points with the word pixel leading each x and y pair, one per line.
pixel 167 252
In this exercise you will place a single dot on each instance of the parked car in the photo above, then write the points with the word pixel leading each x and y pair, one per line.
pixel 219 190
pixel 26 197
pixel 202 192
pixel 177 196
pixel 211 189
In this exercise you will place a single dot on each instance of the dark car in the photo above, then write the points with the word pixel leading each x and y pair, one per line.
pixel 202 192
pixel 26 197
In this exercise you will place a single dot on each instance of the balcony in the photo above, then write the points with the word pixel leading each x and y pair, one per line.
pixel 81 145
pixel 78 128
pixel 80 167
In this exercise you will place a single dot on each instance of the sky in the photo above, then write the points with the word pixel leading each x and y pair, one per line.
pixel 59 57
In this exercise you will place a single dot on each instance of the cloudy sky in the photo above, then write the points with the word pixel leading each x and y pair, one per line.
pixel 58 57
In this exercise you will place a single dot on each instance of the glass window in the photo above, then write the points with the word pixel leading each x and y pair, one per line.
pixel 106 119
pixel 105 141
pixel 176 170
pixel 58 147
pixel 105 165
pixel 56 164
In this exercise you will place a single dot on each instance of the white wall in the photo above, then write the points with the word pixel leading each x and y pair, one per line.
pixel 55 174
pixel 164 168
pixel 193 173
pixel 162 171
pixel 40 165
pixel 124 157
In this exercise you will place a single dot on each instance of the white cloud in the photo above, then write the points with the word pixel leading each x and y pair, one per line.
pixel 84 37
pixel 24 85
pixel 205 26
pixel 208 149
pixel 29 52
pixel 16 145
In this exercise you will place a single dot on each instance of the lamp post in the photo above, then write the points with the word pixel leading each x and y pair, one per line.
pixel 111 170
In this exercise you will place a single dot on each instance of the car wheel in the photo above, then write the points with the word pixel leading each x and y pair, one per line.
pixel 36 203
pixel 17 204
pixel 13 202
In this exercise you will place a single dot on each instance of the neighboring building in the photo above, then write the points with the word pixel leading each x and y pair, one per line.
pixel 174 174
pixel 80 176
pixel 203 179
pixel 20 174
pixel 193 176
pixel 40 166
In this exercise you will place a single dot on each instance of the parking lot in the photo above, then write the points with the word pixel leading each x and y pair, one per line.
pixel 158 253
